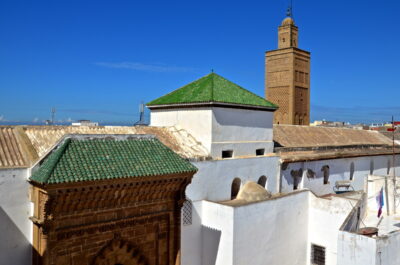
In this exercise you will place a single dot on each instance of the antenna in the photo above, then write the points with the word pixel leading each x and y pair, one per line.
pixel 141 120
pixel 53 114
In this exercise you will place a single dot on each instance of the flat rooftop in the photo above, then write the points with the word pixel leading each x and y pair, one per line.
pixel 385 224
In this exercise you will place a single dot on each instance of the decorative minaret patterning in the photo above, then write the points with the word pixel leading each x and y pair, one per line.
pixel 287 77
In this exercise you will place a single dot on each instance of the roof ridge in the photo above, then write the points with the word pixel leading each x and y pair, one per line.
pixel 212 85
pixel 54 158
pixel 181 87
pixel 242 88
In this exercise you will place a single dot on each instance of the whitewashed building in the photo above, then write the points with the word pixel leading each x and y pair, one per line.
pixel 300 212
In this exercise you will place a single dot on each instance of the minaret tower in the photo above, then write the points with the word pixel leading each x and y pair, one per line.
pixel 287 76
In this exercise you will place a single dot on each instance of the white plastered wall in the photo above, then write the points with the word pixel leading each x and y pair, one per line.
pixel 249 234
pixel 326 218
pixel 355 249
pixel 339 169
pixel 15 210
pixel 218 129
pixel 242 131
pixel 213 181
pixel 196 121
pixel 273 231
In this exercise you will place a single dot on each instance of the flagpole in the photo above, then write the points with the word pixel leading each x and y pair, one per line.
pixel 387 195
pixel 394 168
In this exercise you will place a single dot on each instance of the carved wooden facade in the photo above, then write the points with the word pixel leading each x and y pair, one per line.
pixel 127 221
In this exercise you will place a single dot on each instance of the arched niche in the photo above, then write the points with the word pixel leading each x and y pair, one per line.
pixel 235 188
pixel 262 181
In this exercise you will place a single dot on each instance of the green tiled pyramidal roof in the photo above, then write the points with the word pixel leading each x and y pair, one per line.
pixel 94 159
pixel 212 88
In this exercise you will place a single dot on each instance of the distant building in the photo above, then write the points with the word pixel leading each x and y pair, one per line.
pixel 85 123
pixel 329 123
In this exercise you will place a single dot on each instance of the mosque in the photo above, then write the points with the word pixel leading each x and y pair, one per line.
pixel 221 176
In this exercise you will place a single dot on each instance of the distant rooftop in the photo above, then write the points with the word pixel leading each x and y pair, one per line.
pixel 307 143
pixel 311 136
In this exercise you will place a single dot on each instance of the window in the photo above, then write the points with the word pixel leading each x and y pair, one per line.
pixel 325 169
pixel 260 152
pixel 301 77
pixel 227 153
pixel 187 212
pixel 235 188
pixel 262 181
pixel 351 170
pixel 317 255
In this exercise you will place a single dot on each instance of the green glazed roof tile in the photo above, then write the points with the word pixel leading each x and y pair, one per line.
pixel 212 88
pixel 98 159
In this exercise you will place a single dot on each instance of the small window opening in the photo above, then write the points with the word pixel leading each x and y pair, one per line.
pixel 187 212
pixel 235 188
pixel 262 181
pixel 317 255
pixel 227 153
pixel 352 171
pixel 325 169
pixel 260 152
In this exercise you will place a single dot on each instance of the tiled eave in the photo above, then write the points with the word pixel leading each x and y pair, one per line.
pixel 212 104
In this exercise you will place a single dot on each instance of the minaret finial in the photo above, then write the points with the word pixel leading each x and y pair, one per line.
pixel 289 11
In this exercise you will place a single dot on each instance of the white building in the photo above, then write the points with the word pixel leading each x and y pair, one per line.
pixel 302 172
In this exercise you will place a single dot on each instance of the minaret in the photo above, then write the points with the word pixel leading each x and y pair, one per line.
pixel 287 76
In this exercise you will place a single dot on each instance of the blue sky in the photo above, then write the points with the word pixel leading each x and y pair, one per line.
pixel 99 59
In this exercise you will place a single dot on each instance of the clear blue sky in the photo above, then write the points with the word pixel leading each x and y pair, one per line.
pixel 98 59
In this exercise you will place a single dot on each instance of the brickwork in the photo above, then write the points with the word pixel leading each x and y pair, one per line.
pixel 287 77
pixel 124 221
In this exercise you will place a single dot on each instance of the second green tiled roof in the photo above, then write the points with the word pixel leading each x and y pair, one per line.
pixel 212 88
pixel 78 160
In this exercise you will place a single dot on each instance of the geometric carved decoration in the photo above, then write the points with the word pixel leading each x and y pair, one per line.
pixel 280 96
pixel 187 212
pixel 119 252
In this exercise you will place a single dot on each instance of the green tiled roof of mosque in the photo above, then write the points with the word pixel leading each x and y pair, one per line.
pixel 78 160
pixel 212 88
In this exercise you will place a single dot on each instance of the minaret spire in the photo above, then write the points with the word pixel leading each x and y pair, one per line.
pixel 289 10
